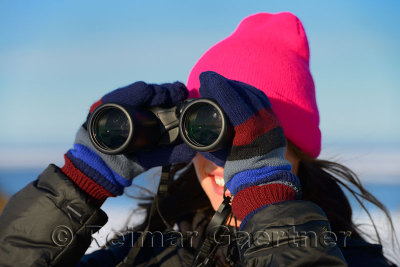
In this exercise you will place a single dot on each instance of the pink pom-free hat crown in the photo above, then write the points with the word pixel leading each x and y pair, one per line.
pixel 270 52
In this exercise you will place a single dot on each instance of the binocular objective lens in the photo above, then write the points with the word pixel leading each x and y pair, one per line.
pixel 203 124
pixel 112 128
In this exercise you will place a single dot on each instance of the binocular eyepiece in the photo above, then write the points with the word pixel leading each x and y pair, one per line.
pixel 121 129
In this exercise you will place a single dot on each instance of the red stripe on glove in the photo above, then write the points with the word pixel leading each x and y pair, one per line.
pixel 95 105
pixel 93 189
pixel 255 197
pixel 261 122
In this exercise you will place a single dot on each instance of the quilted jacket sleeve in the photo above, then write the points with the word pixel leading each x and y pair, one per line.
pixel 48 223
pixel 291 233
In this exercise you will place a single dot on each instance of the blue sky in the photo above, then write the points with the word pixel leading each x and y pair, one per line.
pixel 57 57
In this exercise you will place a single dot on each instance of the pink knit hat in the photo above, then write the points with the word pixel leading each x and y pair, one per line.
pixel 270 52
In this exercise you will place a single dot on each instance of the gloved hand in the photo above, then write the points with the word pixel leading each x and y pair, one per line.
pixel 256 171
pixel 102 175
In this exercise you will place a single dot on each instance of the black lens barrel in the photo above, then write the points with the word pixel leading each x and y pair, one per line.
pixel 120 129
pixel 204 126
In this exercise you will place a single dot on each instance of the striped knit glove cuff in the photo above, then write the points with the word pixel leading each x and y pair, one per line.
pixel 256 171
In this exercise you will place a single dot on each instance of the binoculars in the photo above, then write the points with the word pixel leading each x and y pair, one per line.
pixel 122 129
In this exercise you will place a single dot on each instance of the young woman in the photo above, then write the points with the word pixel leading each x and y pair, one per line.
pixel 288 205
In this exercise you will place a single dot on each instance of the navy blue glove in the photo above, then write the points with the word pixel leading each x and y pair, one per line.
pixel 102 175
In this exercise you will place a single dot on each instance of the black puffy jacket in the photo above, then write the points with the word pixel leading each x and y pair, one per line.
pixel 50 222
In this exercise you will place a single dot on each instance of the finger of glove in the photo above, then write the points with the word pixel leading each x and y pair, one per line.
pixel 147 95
pixel 165 155
pixel 238 100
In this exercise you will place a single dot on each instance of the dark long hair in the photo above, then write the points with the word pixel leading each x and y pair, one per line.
pixel 323 182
